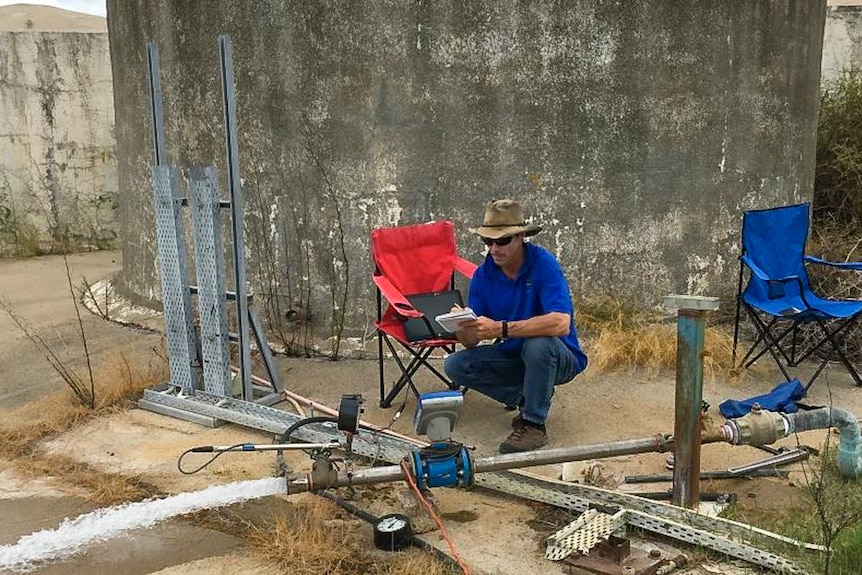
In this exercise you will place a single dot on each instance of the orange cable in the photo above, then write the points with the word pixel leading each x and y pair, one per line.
pixel 464 569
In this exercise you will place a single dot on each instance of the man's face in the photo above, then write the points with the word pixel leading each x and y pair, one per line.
pixel 505 254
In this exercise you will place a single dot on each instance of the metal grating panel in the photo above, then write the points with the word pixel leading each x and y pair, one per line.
pixel 179 328
pixel 209 263
pixel 583 533
pixel 374 445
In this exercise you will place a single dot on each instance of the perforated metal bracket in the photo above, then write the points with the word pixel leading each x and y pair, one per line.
pixel 583 533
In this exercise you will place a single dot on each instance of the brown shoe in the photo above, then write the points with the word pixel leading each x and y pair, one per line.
pixel 524 438
pixel 518 422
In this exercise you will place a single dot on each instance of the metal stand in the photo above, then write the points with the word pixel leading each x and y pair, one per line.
pixel 691 323
pixel 206 356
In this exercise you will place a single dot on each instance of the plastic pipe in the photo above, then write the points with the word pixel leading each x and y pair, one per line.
pixel 761 427
pixel 849 440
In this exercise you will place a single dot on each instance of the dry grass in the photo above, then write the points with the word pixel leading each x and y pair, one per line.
pixel 312 541
pixel 102 488
pixel 618 337
pixel 118 383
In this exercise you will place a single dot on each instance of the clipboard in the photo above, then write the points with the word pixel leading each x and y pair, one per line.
pixel 452 321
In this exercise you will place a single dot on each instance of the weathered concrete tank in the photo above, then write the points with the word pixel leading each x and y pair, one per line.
pixel 637 133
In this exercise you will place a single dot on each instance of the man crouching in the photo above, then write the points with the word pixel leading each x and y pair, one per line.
pixel 521 299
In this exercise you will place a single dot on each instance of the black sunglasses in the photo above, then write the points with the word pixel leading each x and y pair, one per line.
pixel 499 241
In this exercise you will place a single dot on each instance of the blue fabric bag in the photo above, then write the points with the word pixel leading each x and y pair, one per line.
pixel 782 399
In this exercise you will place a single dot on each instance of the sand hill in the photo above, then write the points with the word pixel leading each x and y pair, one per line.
pixel 30 17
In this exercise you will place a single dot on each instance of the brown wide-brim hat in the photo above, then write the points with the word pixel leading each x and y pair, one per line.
pixel 505 218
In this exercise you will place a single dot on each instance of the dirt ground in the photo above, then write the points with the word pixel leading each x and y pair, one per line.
pixel 484 526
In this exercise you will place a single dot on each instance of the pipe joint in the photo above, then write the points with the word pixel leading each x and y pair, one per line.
pixel 323 474
pixel 758 427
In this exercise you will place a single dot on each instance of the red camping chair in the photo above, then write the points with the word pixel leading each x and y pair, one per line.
pixel 410 260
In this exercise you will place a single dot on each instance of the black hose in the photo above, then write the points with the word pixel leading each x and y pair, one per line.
pixel 364 515
pixel 202 450
pixel 285 437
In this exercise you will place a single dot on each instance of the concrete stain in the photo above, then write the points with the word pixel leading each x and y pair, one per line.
pixel 463 516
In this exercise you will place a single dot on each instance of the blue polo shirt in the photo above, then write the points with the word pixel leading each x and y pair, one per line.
pixel 540 288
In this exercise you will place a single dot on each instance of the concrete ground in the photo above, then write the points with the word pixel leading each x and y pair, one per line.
pixel 592 409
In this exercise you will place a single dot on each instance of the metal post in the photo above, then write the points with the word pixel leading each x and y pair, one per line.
pixel 156 109
pixel 691 322
pixel 237 222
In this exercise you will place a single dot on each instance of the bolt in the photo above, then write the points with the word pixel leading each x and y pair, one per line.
pixel 655 553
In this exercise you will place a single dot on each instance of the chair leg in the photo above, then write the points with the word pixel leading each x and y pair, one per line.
pixel 778 339
pixel 380 366
pixel 836 349
pixel 420 359
pixel 736 322
pixel 771 343
pixel 410 371
pixel 386 401
pixel 834 341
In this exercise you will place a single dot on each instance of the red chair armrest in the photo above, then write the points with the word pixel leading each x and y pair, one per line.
pixel 395 298
pixel 464 267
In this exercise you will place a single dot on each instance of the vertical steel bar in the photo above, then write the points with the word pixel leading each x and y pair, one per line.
pixel 237 222
pixel 156 108
pixel 689 398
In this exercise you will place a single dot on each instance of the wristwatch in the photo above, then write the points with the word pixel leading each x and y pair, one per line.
pixel 505 331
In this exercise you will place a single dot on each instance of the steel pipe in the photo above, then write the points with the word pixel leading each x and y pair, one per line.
pixel 321 479
pixel 659 443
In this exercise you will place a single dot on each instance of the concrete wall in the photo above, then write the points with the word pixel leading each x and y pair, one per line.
pixel 636 132
pixel 842 40
pixel 58 174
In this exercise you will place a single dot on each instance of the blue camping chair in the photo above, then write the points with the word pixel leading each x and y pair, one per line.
pixel 778 297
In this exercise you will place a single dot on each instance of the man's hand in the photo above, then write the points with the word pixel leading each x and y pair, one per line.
pixel 552 324
pixel 475 330
pixel 481 328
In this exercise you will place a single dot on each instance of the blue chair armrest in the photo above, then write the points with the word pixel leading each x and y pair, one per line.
pixel 762 274
pixel 840 265
pixel 776 285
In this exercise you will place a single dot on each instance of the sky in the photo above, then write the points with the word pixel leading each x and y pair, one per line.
pixel 95 7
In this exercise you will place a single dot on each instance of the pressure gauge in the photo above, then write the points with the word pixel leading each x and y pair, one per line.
pixel 393 532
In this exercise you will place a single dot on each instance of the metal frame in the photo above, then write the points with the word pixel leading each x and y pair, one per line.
pixel 191 356
pixel 209 266
pixel 236 219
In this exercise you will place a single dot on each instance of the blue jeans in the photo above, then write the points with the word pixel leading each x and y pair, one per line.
pixel 507 377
